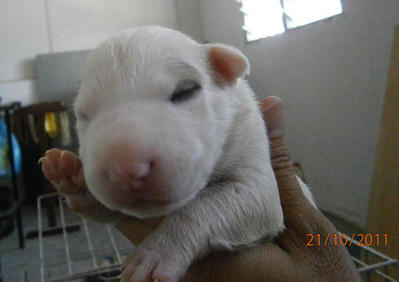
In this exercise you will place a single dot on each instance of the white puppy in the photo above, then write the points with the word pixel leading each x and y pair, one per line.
pixel 168 126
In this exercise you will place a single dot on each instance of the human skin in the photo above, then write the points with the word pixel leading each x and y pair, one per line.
pixel 287 258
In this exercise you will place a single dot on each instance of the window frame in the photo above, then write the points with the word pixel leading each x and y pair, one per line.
pixel 284 21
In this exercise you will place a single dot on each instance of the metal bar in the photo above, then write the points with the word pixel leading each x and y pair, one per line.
pixel 87 233
pixel 39 227
pixel 68 261
pixel 362 263
pixel 114 244
pixel 373 251
pixel 284 18
pixel 366 258
pixel 377 265
pixel 65 236
pixel 85 273
pixel 386 270
pixel 363 267
pixel 49 231
pixel 387 277
pixel 77 258
pixel 368 249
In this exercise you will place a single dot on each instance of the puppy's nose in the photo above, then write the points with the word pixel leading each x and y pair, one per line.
pixel 126 167
pixel 130 172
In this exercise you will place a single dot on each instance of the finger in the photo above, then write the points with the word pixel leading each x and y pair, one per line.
pixel 272 109
pixel 299 215
pixel 261 263
pixel 292 198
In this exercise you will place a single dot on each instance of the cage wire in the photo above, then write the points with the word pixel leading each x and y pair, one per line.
pixel 80 256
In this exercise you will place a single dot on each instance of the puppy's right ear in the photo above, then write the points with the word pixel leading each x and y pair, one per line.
pixel 227 64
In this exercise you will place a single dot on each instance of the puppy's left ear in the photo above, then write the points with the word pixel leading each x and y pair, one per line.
pixel 227 64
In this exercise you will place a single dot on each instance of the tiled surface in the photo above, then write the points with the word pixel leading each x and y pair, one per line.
pixel 15 261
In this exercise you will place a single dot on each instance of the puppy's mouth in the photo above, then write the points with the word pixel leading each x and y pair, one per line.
pixel 143 201
pixel 135 199
pixel 148 207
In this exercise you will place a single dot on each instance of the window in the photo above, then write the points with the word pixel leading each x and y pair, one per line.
pixel 263 18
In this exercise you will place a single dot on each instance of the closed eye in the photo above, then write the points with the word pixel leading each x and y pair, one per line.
pixel 184 91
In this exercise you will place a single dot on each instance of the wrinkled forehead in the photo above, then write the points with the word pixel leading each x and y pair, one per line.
pixel 132 59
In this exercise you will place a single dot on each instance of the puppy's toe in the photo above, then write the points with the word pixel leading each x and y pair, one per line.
pixel 149 265
pixel 50 164
pixel 64 170
pixel 167 273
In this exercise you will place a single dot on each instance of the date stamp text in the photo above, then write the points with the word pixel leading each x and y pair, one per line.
pixel 341 239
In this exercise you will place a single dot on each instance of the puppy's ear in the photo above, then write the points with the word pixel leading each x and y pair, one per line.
pixel 227 64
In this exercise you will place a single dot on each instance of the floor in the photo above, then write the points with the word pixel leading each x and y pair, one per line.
pixel 24 264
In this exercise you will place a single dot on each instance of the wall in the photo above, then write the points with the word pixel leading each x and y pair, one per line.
pixel 331 75
pixel 189 19
pixel 31 27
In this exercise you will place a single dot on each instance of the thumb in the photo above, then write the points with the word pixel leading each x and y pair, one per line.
pixel 291 196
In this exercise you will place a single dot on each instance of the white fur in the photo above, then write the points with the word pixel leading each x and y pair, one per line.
pixel 212 150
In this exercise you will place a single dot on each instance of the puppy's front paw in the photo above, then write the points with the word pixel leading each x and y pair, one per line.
pixel 153 264
pixel 65 171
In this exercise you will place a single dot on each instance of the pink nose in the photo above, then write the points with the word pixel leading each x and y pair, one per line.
pixel 128 173
pixel 126 167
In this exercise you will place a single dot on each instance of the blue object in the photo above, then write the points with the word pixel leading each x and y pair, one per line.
pixel 5 170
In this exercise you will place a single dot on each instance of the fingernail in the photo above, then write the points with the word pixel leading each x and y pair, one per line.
pixel 39 162
pixel 268 106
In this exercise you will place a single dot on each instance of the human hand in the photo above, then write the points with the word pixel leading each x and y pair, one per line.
pixel 288 258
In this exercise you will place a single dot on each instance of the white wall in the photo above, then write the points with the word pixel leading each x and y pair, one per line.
pixel 31 27
pixel 188 18
pixel 331 75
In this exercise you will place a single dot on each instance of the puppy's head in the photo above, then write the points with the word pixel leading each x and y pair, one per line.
pixel 153 112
